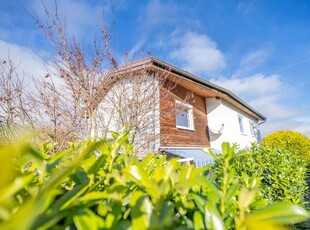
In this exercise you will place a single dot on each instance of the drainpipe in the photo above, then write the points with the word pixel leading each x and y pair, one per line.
pixel 259 138
pixel 262 122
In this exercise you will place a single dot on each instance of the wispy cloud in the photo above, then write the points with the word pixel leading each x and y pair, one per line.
pixel 250 62
pixel 25 58
pixel 197 53
pixel 254 85
pixel 158 18
pixel 151 17
pixel 81 17
pixel 257 58
pixel 266 94
pixel 157 12
pixel 246 7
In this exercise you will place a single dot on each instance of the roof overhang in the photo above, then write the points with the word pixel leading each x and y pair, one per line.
pixel 199 85
pixel 189 81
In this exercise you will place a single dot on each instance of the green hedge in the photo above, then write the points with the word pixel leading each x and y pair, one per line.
pixel 92 186
pixel 291 141
pixel 282 174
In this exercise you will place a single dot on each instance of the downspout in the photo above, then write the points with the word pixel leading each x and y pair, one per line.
pixel 263 121
pixel 259 134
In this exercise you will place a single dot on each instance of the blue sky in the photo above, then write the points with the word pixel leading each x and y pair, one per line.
pixel 258 49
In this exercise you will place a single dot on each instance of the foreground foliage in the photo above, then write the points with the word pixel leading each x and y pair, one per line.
pixel 291 141
pixel 282 174
pixel 92 186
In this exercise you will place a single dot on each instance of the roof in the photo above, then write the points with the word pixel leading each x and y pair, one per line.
pixel 199 155
pixel 185 74
pixel 156 62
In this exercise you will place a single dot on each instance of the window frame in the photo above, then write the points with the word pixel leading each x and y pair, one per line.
pixel 241 124
pixel 190 115
pixel 252 128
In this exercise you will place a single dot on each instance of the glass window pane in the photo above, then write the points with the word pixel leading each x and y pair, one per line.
pixel 252 129
pixel 241 124
pixel 182 117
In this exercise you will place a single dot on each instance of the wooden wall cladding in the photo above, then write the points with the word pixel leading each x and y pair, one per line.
pixel 170 135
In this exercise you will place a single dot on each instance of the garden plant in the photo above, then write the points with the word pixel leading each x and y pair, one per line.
pixel 282 174
pixel 291 141
pixel 101 185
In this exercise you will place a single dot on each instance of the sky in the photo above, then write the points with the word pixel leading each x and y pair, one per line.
pixel 260 50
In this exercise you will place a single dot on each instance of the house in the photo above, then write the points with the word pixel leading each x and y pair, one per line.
pixel 172 110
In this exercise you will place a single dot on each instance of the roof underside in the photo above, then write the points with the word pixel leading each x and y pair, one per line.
pixel 196 84
pixel 219 91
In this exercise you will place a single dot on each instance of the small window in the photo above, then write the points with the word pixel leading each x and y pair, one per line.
pixel 252 128
pixel 184 116
pixel 240 120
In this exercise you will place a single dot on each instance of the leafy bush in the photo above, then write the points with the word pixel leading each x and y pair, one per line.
pixel 92 186
pixel 281 173
pixel 294 142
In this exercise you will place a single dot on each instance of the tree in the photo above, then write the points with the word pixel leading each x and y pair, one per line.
pixel 292 141
pixel 14 103
pixel 85 93
pixel 133 102
pixel 75 79
pixel 85 90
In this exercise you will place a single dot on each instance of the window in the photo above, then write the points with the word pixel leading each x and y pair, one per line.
pixel 252 128
pixel 240 120
pixel 184 116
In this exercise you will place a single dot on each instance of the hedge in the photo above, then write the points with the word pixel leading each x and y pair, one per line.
pixel 100 185
pixel 291 141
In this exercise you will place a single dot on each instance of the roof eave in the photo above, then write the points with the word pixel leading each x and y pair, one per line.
pixel 209 84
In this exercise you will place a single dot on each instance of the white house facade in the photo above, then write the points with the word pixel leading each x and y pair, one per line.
pixel 171 110
pixel 227 123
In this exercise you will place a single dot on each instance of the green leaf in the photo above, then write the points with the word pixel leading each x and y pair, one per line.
pixel 246 197
pixel 166 218
pixel 226 149
pixel 114 215
pixel 97 164
pixel 141 210
pixel 199 201
pixel 139 176
pixel 80 176
pixel 213 220
pixel 86 219
pixel 202 180
pixel 141 179
pixel 280 213
pixel 15 186
pixel 124 225
pixel 231 192
pixel 198 221
pixel 69 197
pixel 259 204
pixel 212 154
pixel 242 153
pixel 93 196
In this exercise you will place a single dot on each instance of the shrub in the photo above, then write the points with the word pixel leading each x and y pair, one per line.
pixel 294 142
pixel 92 186
pixel 281 173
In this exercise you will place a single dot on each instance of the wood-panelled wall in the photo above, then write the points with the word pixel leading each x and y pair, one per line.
pixel 170 135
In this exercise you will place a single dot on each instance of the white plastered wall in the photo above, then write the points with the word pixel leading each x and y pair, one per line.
pixel 224 125
pixel 145 111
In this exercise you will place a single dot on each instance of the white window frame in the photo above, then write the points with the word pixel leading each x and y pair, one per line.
pixel 241 124
pixel 190 116
pixel 252 128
